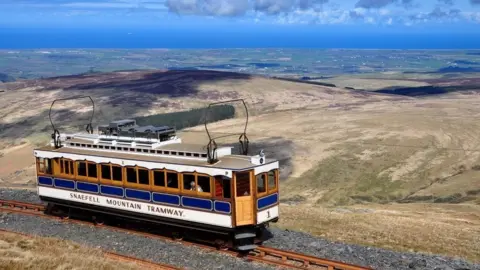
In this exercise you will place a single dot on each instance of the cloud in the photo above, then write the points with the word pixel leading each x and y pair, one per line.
pixel 208 7
pixel 306 4
pixel 446 2
pixel 378 12
pixel 274 7
pixel 355 14
pixel 380 3
pixel 471 16
pixel 240 7
pixel 437 14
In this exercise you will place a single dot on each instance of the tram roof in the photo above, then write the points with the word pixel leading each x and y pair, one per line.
pixel 228 162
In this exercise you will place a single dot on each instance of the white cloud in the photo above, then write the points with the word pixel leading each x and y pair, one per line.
pixel 384 12
pixel 471 16
pixel 370 20
pixel 269 11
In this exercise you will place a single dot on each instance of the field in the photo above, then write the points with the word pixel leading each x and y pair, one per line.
pixel 21 252
pixel 395 165
pixel 450 229
pixel 309 64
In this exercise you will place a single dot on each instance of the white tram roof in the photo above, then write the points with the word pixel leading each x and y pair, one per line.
pixel 172 151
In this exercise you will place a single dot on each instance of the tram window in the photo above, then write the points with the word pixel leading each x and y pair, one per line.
pixel 116 173
pixel 66 167
pixel 92 170
pixel 72 172
pixel 187 180
pixel 159 178
pixel 261 185
pixel 62 166
pixel 48 166
pixel 44 165
pixel 172 180
pixel 271 180
pixel 143 177
pixel 81 168
pixel 41 165
pixel 227 194
pixel 243 184
pixel 204 183
pixel 131 175
pixel 222 187
pixel 105 172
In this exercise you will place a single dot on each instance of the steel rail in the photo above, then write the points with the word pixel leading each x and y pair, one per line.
pixel 303 261
pixel 261 254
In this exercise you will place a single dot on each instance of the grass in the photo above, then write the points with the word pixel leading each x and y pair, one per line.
pixel 22 252
pixel 363 173
pixel 450 230
pixel 345 148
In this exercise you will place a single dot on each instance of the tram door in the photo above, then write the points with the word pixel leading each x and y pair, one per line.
pixel 243 198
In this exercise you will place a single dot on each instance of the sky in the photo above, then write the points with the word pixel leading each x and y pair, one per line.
pixel 240 23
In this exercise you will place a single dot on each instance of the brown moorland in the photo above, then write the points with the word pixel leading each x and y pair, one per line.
pixel 362 167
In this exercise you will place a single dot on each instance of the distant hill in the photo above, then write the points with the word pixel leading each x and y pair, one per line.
pixel 6 78
pixel 450 69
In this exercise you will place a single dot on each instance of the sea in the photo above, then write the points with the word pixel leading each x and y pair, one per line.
pixel 34 38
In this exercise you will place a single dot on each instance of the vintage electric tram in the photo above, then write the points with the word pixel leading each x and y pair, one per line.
pixel 147 173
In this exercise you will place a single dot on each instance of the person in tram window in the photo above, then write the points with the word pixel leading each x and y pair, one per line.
pixel 192 186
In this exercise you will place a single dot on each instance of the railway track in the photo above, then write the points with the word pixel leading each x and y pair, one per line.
pixel 262 254
pixel 116 256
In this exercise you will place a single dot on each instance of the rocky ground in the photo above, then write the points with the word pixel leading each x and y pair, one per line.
pixel 196 258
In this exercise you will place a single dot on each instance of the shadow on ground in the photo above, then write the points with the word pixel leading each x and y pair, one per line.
pixel 421 91
pixel 172 83
pixel 118 94
pixel 134 88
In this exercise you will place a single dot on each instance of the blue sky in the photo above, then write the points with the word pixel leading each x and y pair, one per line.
pixel 196 13
pixel 247 16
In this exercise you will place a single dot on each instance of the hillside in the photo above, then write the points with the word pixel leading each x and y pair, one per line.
pixel 338 147
pixel 25 104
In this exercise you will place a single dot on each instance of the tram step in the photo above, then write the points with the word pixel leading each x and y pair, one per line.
pixel 244 235
pixel 247 247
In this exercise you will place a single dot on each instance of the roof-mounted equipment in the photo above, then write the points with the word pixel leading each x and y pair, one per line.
pixel 212 145
pixel 129 128
pixel 56 134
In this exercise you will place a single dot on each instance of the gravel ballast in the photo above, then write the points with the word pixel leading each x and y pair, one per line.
pixel 156 250
pixel 193 257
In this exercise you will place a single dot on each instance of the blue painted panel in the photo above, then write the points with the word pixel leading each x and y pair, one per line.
pixel 137 194
pixel 109 190
pixel 62 183
pixel 267 201
pixel 223 207
pixel 197 203
pixel 166 198
pixel 88 187
pixel 45 181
